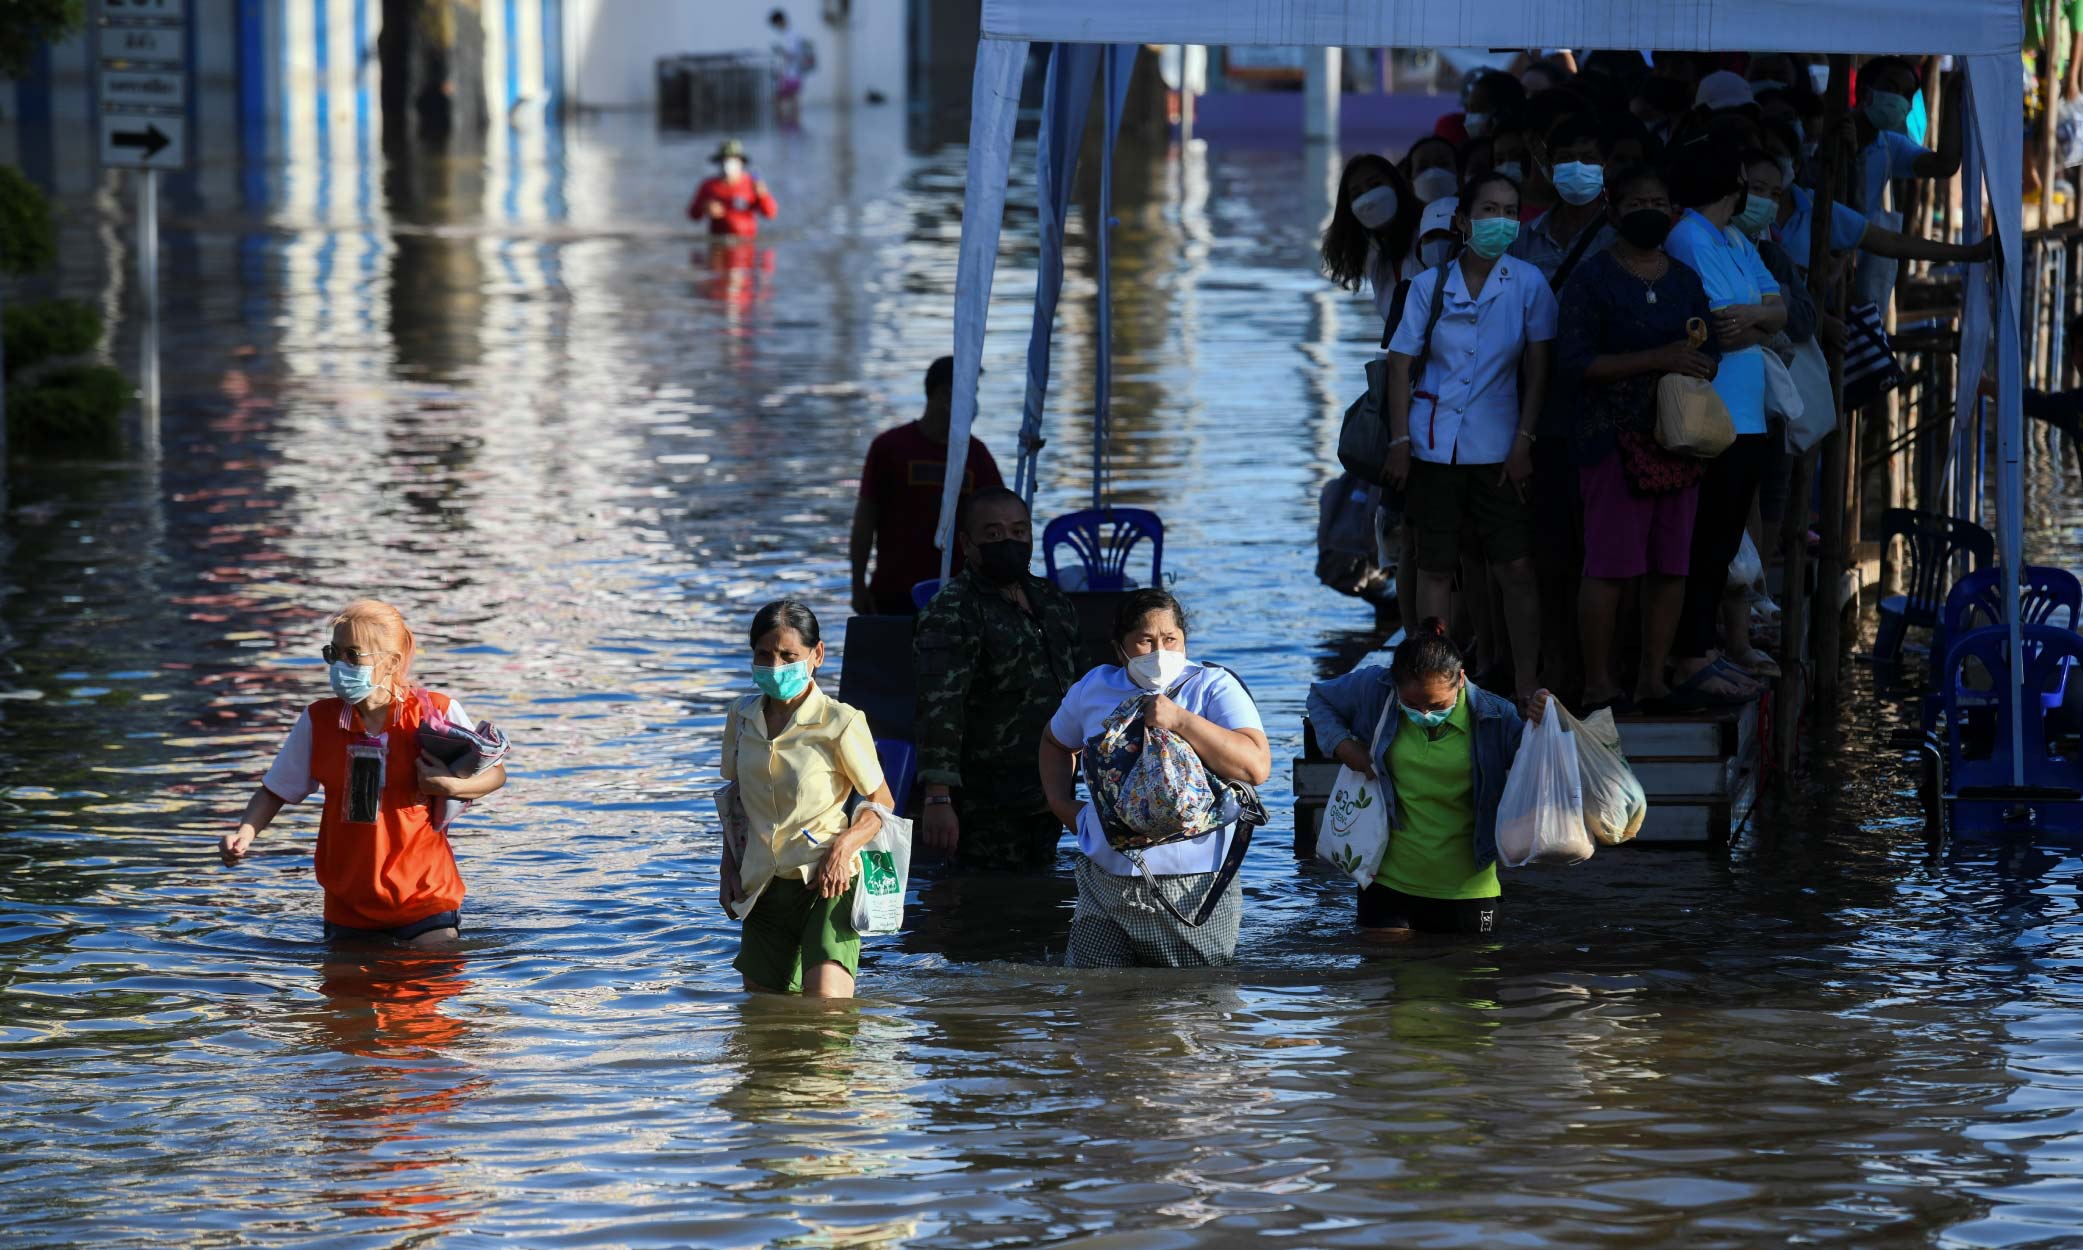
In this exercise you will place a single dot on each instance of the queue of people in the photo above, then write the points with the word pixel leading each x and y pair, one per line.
pixel 1597 212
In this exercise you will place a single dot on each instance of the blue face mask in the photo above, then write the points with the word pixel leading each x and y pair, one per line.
pixel 1492 236
pixel 1579 182
pixel 1888 111
pixel 352 682
pixel 1434 718
pixel 783 682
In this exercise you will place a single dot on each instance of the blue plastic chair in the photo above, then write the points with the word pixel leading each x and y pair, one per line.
pixel 1979 792
pixel 1934 541
pixel 900 768
pixel 922 593
pixel 1977 600
pixel 1103 539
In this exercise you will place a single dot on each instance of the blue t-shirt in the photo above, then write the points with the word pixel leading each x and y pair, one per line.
pixel 1209 692
pixel 1847 227
pixel 1732 272
pixel 1891 155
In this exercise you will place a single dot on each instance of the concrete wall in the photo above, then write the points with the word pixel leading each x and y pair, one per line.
pixel 613 45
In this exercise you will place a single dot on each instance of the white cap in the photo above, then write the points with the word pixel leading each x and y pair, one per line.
pixel 1439 215
pixel 1723 90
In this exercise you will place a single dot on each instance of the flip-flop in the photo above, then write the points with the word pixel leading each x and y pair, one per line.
pixel 1764 668
pixel 1689 695
pixel 1736 674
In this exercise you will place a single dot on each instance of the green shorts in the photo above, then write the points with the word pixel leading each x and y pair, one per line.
pixel 1443 498
pixel 791 927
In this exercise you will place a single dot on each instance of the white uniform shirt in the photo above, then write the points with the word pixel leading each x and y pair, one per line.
pixel 1473 370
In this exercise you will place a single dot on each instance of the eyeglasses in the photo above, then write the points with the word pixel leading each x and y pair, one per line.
pixel 352 655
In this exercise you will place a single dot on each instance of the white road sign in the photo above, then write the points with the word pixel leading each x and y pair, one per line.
pixel 144 142
pixel 158 45
pixel 143 89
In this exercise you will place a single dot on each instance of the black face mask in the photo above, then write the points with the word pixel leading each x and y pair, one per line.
pixel 1004 562
pixel 1645 228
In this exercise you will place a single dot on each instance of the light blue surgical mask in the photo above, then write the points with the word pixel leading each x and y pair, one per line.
pixel 1757 213
pixel 352 682
pixel 1491 237
pixel 1888 111
pixel 1432 719
pixel 1513 170
pixel 783 681
pixel 1579 182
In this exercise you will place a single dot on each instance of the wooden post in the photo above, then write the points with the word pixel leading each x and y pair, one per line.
pixel 2050 103
pixel 1838 468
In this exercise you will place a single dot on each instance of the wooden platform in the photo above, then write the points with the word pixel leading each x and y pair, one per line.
pixel 1700 772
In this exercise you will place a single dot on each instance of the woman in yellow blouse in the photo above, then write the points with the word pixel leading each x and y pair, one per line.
pixel 798 757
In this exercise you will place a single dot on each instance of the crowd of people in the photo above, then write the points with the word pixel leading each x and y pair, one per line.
pixel 1556 250
pixel 1571 237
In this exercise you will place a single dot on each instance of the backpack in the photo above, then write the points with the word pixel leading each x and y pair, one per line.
pixel 1348 558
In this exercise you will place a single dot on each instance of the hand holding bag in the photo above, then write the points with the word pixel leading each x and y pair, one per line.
pixel 1540 818
pixel 1354 835
pixel 1691 419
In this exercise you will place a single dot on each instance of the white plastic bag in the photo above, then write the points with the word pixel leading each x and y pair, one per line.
pixel 884 872
pixel 1746 569
pixel 1782 397
pixel 1614 804
pixel 1354 833
pixel 1540 819
pixel 1811 376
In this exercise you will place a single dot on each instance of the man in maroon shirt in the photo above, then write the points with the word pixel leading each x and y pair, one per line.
pixel 899 505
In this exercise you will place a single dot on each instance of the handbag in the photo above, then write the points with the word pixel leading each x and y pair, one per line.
pixel 1150 789
pixel 1691 419
pixel 1650 470
pixel 1354 834
pixel 1363 438
pixel 1870 370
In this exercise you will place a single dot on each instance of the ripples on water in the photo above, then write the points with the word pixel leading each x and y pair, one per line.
pixel 526 406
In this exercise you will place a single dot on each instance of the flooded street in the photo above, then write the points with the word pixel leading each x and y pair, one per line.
pixel 526 403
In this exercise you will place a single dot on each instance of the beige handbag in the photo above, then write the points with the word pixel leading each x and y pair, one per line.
pixel 1691 420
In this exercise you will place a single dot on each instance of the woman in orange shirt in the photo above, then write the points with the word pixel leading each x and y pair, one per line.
pixel 387 870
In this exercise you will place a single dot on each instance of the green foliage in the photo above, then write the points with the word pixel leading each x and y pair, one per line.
pixel 27 240
pixel 73 410
pixel 47 330
pixel 26 23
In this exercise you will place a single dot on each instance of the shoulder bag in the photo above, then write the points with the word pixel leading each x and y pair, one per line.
pixel 1363 440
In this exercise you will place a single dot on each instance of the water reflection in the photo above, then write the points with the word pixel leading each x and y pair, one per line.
pixel 528 403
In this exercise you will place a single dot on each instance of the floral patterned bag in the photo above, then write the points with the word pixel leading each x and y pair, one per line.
pixel 1151 789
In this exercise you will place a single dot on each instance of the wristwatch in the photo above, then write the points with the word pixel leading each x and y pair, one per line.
pixel 939 800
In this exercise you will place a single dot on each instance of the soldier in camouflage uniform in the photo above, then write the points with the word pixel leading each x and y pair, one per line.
pixel 996 650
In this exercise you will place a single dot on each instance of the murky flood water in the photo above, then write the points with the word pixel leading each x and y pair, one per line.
pixel 532 408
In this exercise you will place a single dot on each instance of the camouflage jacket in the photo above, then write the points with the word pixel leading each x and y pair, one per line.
pixel 989 678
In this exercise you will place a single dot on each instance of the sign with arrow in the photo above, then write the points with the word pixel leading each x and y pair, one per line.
pixel 142 54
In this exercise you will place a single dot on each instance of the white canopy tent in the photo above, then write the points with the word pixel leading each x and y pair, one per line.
pixel 1986 34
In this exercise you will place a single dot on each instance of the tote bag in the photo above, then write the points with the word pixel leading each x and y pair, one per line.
pixel 1691 419
pixel 1354 834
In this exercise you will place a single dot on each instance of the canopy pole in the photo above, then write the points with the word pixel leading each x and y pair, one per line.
pixel 1837 473
pixel 994 109
pixel 1103 380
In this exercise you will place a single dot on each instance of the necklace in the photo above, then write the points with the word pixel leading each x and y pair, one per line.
pixel 1648 283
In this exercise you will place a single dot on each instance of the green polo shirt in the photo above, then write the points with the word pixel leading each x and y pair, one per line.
pixel 1432 852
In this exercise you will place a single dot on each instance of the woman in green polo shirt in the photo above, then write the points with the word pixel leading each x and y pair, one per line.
pixel 1446 748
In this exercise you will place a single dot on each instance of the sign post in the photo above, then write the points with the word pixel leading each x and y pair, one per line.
pixel 144 72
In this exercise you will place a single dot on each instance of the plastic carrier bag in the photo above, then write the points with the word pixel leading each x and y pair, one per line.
pixel 1748 568
pixel 885 870
pixel 1354 834
pixel 1540 819
pixel 1614 803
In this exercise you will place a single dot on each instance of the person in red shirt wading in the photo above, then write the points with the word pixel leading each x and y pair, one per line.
pixel 733 201
pixel 387 870
pixel 899 505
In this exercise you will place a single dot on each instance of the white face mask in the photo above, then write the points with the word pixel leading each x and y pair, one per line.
pixel 732 167
pixel 1434 252
pixel 1513 170
pixel 1476 124
pixel 1376 208
pixel 1156 670
pixel 1436 183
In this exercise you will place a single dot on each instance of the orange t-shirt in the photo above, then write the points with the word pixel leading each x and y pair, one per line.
pixel 396 869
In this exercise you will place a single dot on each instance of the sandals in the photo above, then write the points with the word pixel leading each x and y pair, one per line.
pixel 1692 695
pixel 1757 664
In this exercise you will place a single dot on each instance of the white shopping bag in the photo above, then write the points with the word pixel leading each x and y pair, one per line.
pixel 1354 834
pixel 1614 804
pixel 884 871
pixel 1811 376
pixel 1748 568
pixel 1540 819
